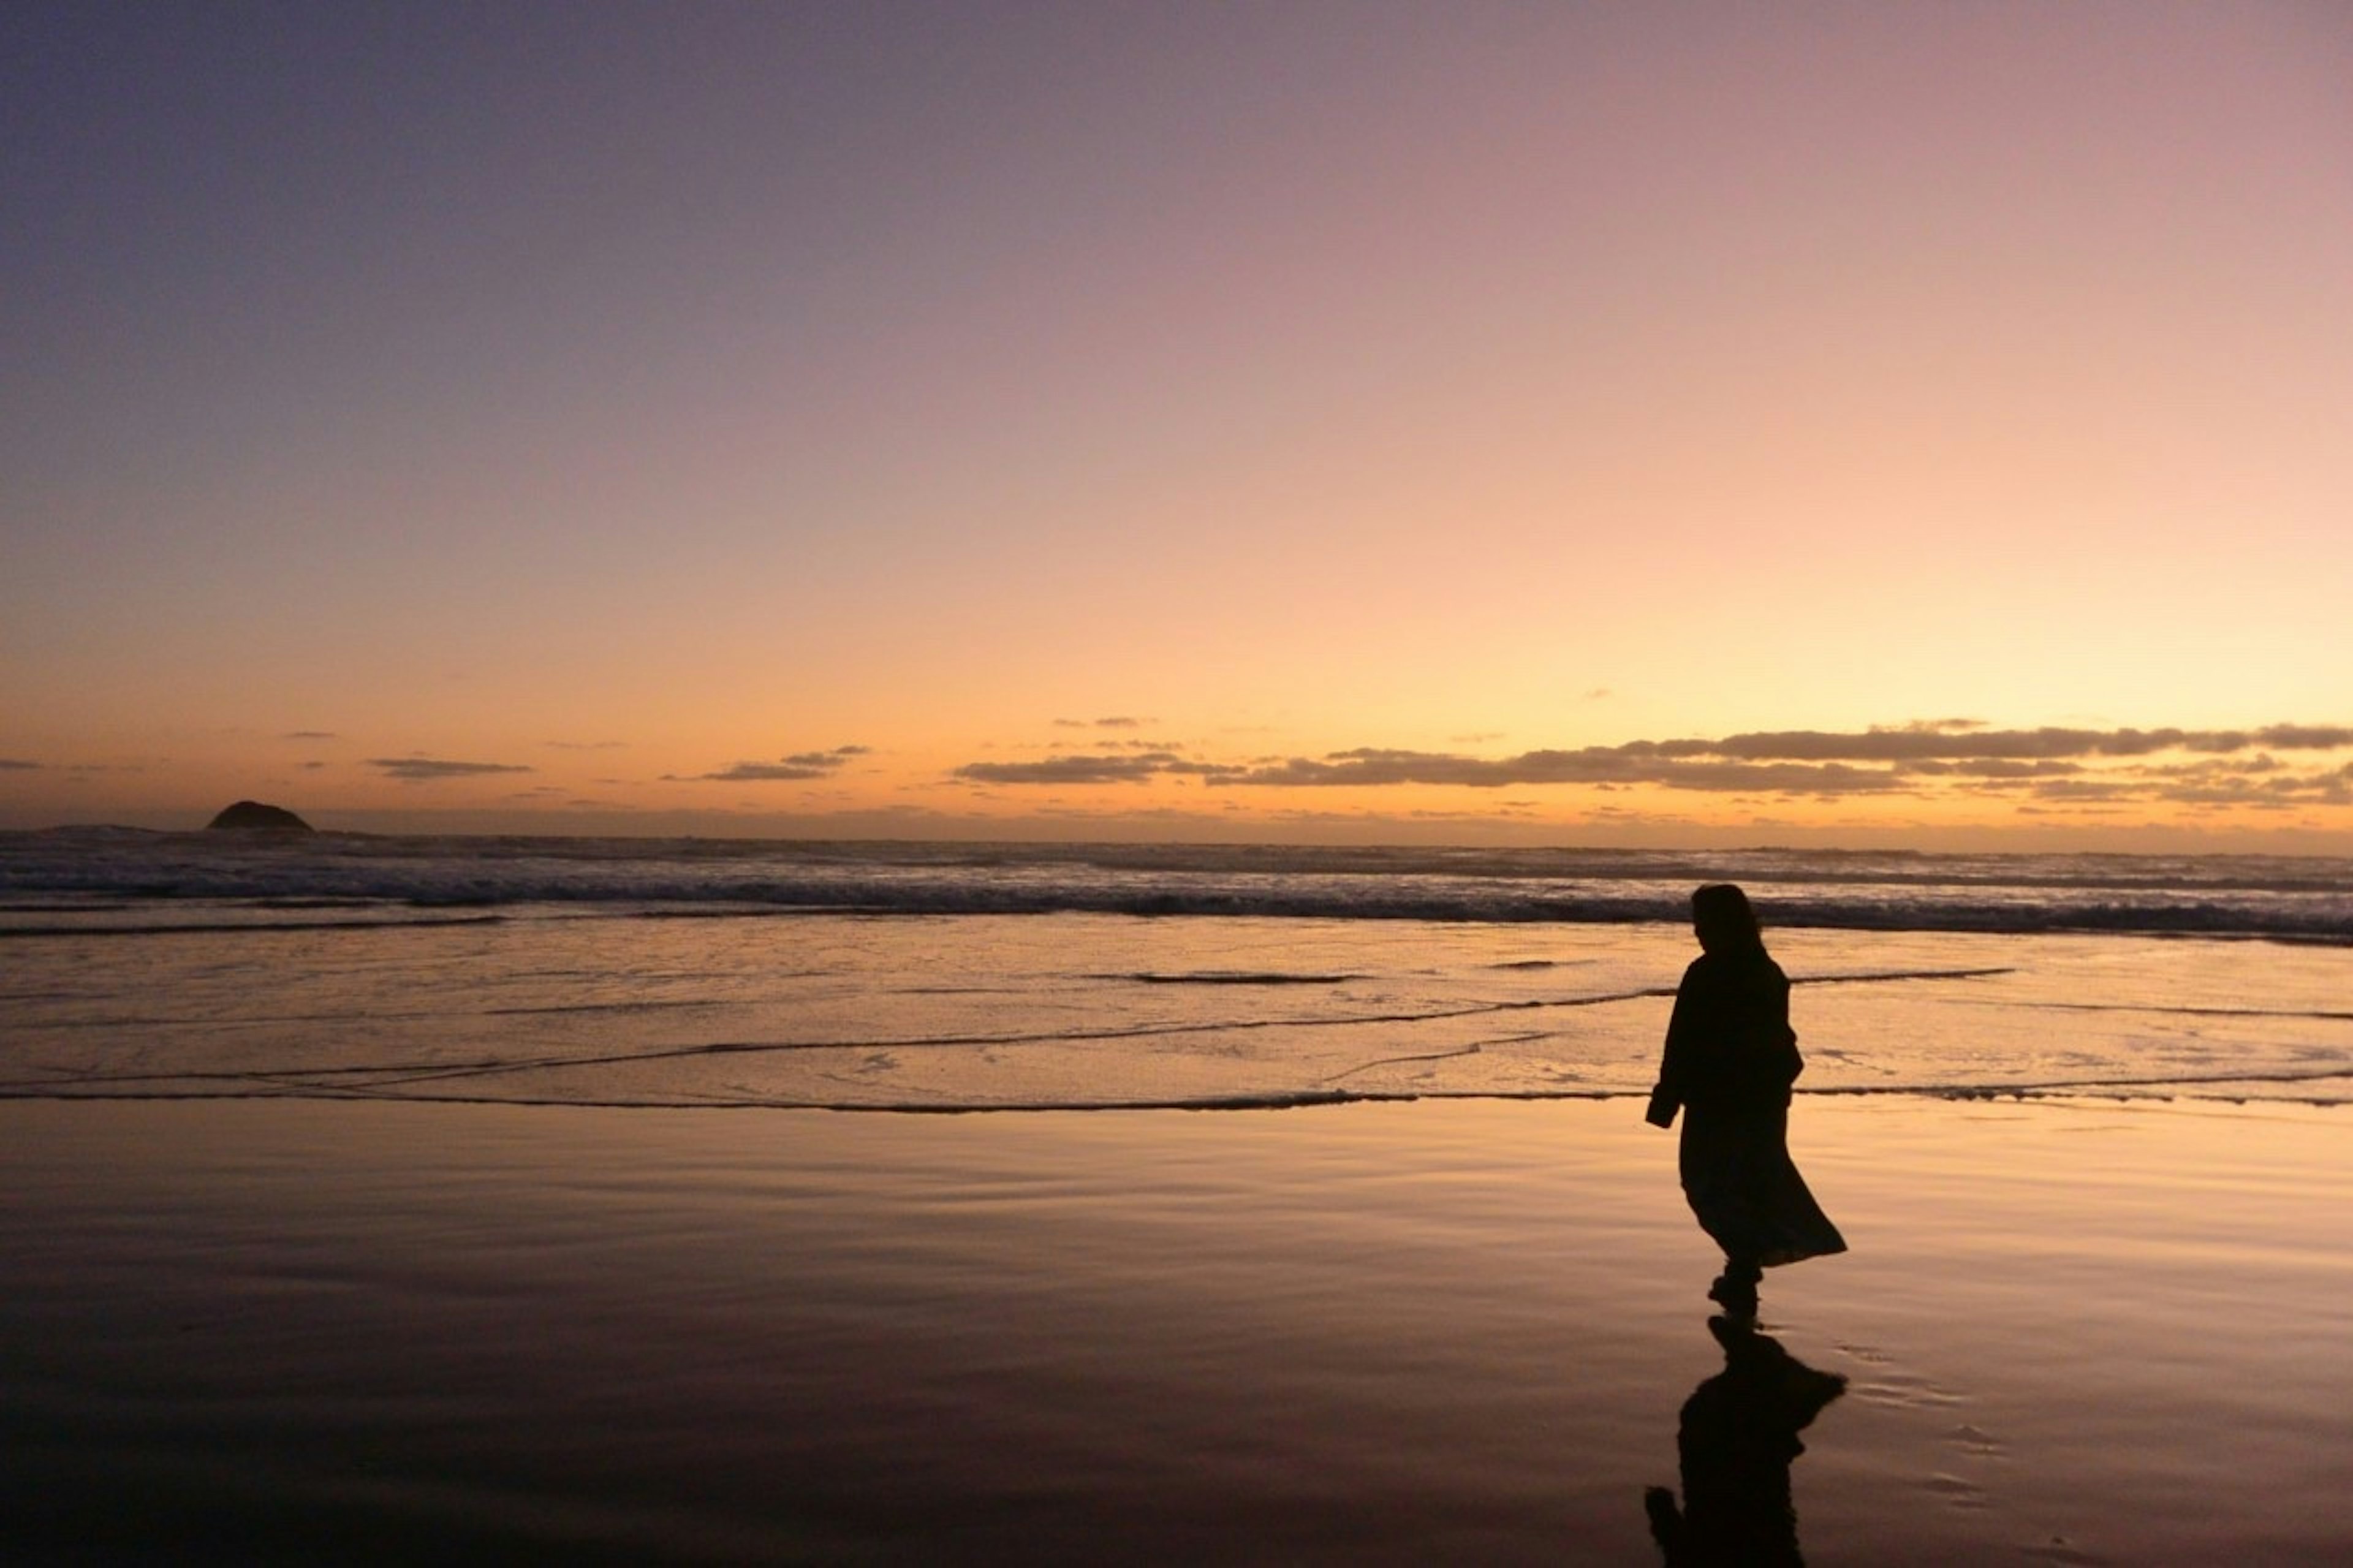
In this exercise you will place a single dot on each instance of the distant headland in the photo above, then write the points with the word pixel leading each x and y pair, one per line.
pixel 252 815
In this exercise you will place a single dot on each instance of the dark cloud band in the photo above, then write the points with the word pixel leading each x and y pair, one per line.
pixel 2051 764
pixel 424 770
pixel 800 767
pixel 1093 769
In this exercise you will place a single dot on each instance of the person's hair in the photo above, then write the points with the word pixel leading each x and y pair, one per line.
pixel 1725 922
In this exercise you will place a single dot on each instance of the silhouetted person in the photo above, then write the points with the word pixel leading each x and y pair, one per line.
pixel 1730 1059
pixel 1738 1434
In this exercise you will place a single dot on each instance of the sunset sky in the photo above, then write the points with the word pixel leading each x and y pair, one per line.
pixel 1914 423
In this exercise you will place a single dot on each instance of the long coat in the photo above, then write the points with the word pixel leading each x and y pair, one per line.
pixel 1730 1059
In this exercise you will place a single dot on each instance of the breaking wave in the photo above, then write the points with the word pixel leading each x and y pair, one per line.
pixel 71 882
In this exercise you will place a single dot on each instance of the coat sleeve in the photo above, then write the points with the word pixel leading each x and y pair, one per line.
pixel 1784 1044
pixel 1674 1060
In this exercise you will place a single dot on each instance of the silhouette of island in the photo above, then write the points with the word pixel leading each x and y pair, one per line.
pixel 1737 1438
pixel 253 817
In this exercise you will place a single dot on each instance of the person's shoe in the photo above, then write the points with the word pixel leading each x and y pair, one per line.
pixel 1738 1296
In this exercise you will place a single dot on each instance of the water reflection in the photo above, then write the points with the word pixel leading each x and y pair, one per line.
pixel 1738 1437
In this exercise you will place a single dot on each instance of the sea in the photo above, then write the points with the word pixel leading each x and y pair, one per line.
pixel 965 977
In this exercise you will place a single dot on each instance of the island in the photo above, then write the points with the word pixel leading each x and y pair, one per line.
pixel 253 817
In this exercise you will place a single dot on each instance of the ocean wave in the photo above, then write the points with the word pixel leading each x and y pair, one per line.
pixel 53 884
pixel 111 928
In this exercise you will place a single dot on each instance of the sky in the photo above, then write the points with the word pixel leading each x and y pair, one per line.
pixel 1665 424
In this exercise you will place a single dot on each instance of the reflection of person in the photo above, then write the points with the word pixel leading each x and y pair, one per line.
pixel 1730 1059
pixel 1738 1434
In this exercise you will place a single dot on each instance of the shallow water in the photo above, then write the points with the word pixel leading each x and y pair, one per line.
pixel 2072 1331
pixel 977 1012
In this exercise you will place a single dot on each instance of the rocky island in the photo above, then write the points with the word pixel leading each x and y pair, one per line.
pixel 253 817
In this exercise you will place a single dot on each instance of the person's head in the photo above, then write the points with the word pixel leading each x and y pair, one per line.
pixel 1724 921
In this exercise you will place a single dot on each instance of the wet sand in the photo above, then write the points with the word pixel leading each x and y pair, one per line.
pixel 1466 1331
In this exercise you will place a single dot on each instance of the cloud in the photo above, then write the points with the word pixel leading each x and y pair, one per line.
pixel 1995 768
pixel 798 767
pixel 425 770
pixel 589 745
pixel 1092 770
pixel 310 735
pixel 2082 789
pixel 1947 739
pixel 754 773
pixel 1377 767
pixel 1116 721
pixel 17 764
pixel 2229 766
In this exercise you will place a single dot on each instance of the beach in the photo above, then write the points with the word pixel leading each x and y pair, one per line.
pixel 665 1200
pixel 2075 1331
pixel 941 784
